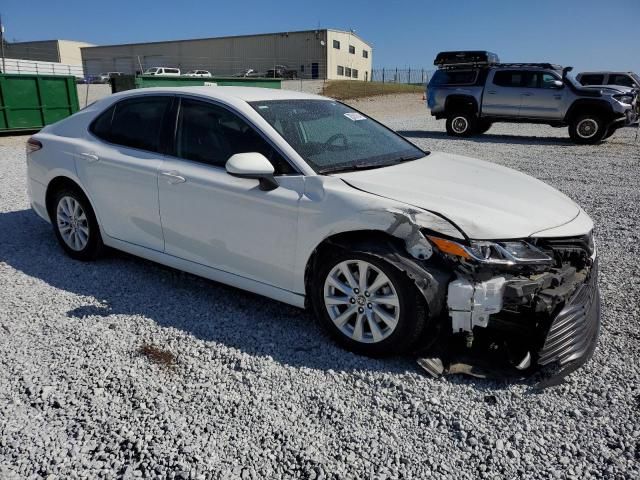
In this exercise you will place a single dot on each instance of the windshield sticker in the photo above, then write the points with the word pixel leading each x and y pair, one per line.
pixel 355 116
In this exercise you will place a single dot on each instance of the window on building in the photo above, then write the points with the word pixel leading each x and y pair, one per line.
pixel 347 72
pixel 302 68
pixel 354 73
pixel 352 49
pixel 336 44
pixel 340 71
pixel 365 53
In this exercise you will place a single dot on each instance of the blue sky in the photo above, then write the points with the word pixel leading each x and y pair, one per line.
pixel 587 34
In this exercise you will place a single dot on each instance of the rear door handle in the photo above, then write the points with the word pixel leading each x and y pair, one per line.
pixel 173 177
pixel 527 94
pixel 90 157
pixel 491 92
pixel 558 97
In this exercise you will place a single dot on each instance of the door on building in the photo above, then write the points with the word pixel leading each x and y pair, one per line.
pixel 315 70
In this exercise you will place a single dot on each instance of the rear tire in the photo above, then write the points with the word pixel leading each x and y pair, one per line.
pixel 587 129
pixel 387 304
pixel 461 124
pixel 75 225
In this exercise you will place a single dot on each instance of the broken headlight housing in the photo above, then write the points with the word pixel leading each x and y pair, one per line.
pixel 504 253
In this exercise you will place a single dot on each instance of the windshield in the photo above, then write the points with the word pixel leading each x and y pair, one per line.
pixel 332 137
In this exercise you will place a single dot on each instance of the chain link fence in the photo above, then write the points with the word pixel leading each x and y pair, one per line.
pixel 411 76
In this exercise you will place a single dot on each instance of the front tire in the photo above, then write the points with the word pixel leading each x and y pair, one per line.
pixel 367 305
pixel 587 129
pixel 461 124
pixel 75 225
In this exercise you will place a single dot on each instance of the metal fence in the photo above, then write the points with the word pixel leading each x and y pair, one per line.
pixel 36 67
pixel 401 75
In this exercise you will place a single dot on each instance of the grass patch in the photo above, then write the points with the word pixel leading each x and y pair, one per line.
pixel 157 355
pixel 349 89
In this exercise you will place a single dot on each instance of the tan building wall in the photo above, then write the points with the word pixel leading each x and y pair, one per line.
pixel 349 60
pixel 69 51
pixel 306 52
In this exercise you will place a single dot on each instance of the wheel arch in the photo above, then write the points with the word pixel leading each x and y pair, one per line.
pixel 56 184
pixel 458 103
pixel 586 106
pixel 430 278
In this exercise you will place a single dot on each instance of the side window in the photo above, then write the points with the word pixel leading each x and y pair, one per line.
pixel 508 78
pixel 134 123
pixel 547 80
pixel 623 80
pixel 102 125
pixel 592 79
pixel 211 134
pixel 137 122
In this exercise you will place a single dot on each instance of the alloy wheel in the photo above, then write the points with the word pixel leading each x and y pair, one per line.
pixel 459 125
pixel 72 223
pixel 587 128
pixel 361 301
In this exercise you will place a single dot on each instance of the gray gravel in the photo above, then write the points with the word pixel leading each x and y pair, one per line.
pixel 258 391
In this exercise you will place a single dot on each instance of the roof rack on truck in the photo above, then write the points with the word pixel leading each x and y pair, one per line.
pixel 551 66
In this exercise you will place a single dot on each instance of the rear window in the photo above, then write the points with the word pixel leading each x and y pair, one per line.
pixel 592 79
pixel 454 77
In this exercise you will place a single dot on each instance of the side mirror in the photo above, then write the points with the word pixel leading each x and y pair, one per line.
pixel 557 84
pixel 252 165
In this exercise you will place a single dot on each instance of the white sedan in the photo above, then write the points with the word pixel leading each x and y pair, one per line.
pixel 305 200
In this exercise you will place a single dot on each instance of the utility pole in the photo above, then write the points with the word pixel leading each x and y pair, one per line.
pixel 2 44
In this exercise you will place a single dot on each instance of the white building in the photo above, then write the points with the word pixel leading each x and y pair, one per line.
pixel 319 54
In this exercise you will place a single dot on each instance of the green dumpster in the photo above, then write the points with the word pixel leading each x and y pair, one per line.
pixel 29 102
pixel 128 82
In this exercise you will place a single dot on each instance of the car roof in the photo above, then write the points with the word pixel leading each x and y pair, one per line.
pixel 247 94
pixel 605 72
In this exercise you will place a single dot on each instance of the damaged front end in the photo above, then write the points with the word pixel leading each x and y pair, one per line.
pixel 517 307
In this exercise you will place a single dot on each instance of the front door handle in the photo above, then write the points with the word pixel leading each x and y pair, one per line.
pixel 491 92
pixel 173 177
pixel 558 97
pixel 527 94
pixel 90 157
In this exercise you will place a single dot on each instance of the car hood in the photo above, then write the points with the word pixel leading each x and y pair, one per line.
pixel 487 201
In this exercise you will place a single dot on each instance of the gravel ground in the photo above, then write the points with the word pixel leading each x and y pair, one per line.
pixel 244 387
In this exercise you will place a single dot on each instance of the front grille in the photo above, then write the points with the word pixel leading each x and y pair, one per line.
pixel 584 242
pixel 573 332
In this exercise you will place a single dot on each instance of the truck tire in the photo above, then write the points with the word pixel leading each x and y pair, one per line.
pixel 587 129
pixel 461 124
pixel 610 132
pixel 483 126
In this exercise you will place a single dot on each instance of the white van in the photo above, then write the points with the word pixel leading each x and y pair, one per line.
pixel 162 71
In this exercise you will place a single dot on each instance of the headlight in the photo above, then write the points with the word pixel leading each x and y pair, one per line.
pixel 506 253
pixel 628 99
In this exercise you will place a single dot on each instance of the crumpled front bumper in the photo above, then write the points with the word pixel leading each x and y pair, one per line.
pixel 573 333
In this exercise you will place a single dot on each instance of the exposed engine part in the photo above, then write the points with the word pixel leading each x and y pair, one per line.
pixel 470 304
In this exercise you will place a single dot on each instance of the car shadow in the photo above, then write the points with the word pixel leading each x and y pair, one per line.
pixel 120 284
pixel 488 138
